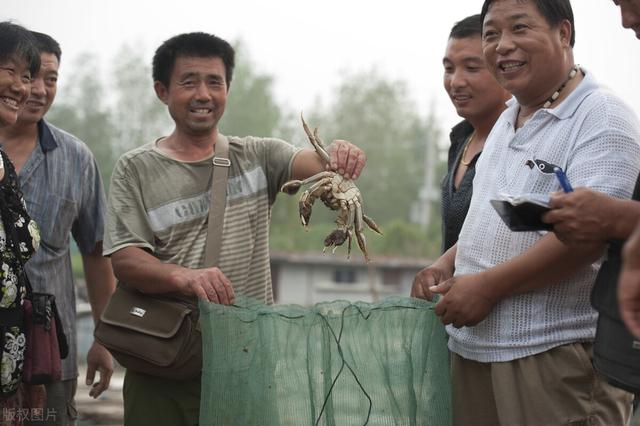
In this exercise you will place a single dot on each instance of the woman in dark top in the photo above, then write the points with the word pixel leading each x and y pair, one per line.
pixel 19 237
pixel 480 100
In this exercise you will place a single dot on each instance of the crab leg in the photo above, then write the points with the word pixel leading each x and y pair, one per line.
pixel 319 141
pixel 372 225
pixel 309 197
pixel 358 216
pixel 342 226
pixel 293 186
pixel 312 138
pixel 370 222
pixel 362 242
pixel 352 213
pixel 314 189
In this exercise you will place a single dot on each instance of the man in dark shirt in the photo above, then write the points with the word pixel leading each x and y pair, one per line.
pixel 629 291
pixel 479 99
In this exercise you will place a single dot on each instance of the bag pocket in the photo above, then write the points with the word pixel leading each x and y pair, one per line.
pixel 156 336
pixel 42 356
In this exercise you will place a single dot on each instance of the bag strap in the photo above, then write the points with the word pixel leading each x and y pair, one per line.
pixel 221 166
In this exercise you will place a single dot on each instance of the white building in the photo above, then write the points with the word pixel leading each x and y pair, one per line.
pixel 309 278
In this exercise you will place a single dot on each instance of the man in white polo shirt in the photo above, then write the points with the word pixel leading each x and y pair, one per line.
pixel 517 304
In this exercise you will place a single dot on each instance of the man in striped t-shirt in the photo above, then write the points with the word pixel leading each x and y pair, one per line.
pixel 159 202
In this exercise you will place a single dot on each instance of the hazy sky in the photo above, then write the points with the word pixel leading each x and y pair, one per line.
pixel 307 46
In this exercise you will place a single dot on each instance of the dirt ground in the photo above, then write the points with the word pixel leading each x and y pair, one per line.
pixel 107 410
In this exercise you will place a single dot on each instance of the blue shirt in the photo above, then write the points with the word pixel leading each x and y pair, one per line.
pixel 63 191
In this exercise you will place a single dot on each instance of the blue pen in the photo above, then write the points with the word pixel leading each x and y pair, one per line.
pixel 562 178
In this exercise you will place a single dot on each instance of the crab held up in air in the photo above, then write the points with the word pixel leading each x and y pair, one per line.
pixel 337 193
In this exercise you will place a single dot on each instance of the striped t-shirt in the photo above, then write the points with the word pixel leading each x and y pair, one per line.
pixel 162 204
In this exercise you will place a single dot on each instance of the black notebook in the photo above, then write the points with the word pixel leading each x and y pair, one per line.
pixel 524 212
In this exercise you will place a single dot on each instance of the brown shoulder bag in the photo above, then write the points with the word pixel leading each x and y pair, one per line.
pixel 158 334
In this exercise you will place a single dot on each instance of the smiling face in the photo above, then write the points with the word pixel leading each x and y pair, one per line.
pixel 630 14
pixel 526 55
pixel 15 81
pixel 472 89
pixel 43 90
pixel 197 94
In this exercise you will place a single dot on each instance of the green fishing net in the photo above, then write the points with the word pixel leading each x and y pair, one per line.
pixel 332 364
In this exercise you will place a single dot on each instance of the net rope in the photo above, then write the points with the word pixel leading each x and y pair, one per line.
pixel 273 365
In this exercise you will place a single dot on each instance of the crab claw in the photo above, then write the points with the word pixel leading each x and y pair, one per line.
pixel 291 187
pixel 336 238
pixel 305 212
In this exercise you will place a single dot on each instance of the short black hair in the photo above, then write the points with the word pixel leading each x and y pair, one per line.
pixel 554 11
pixel 16 42
pixel 470 26
pixel 47 44
pixel 199 45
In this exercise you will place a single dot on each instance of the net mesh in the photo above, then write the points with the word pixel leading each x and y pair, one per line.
pixel 333 364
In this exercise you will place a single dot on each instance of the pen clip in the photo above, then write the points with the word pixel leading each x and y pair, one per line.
pixel 562 178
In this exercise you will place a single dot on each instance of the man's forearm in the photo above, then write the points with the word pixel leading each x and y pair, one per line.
pixel 141 270
pixel 625 216
pixel 547 262
pixel 99 279
pixel 306 164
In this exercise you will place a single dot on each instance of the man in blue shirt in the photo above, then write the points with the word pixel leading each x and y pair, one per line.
pixel 63 191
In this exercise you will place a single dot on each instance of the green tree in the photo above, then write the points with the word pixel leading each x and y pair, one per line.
pixel 379 116
pixel 251 107
pixel 141 117
pixel 80 109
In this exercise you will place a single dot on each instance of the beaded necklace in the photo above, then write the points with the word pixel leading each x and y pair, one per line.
pixel 556 94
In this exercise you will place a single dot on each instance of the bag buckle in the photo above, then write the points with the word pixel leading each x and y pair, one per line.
pixel 219 161
pixel 138 312
pixel 42 309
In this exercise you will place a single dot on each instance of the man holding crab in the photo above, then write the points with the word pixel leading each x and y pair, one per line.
pixel 158 206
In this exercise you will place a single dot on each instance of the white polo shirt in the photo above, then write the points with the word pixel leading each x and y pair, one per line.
pixel 595 138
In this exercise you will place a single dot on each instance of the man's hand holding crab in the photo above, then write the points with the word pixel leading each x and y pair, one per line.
pixel 346 159
pixel 330 172
pixel 340 156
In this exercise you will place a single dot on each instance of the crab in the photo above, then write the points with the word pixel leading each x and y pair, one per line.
pixel 337 193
